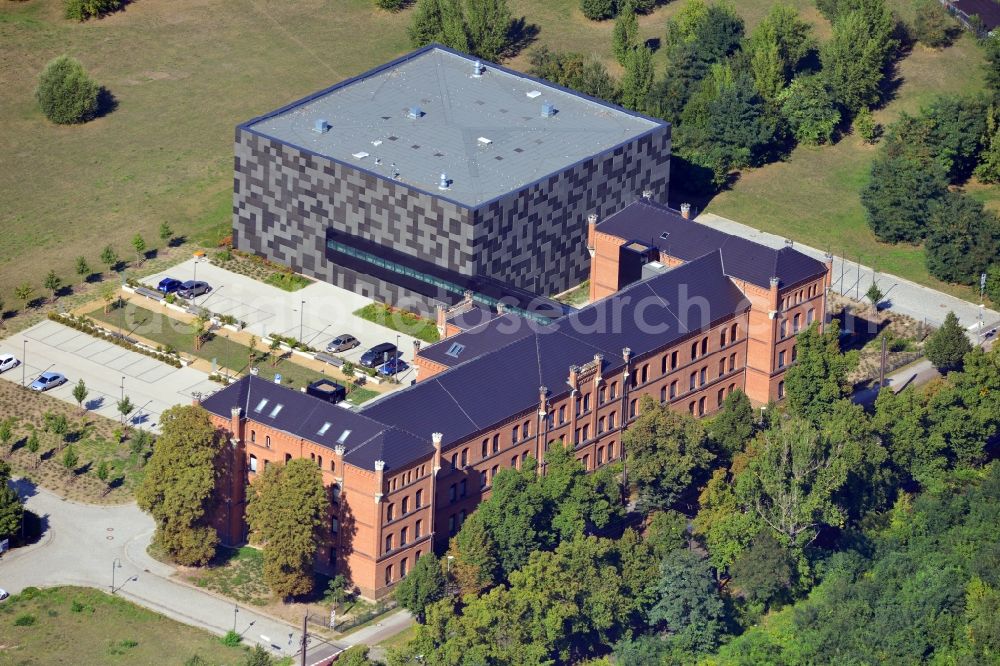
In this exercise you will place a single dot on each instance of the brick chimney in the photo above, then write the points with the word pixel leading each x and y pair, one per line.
pixel 436 439
pixel 686 211
pixel 235 423
pixel 592 233
pixel 338 463
pixel 773 302
pixel 379 480
pixel 598 363
pixel 574 373
pixel 828 260
pixel 442 318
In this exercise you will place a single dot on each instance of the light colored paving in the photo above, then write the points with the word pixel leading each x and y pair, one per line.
pixel 853 279
pixel 151 385
pixel 317 313
pixel 84 543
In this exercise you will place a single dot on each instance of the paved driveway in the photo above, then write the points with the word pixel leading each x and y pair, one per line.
pixel 852 278
pixel 151 385
pixel 318 313
pixel 83 543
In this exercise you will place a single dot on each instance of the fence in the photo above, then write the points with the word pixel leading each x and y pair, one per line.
pixel 382 607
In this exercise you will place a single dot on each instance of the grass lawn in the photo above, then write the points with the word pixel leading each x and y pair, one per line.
pixel 196 69
pixel 237 574
pixel 73 625
pixel 400 321
pixel 813 197
pixel 93 438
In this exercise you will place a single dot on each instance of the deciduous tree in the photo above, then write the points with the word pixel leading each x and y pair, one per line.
pixel 947 347
pixel 11 506
pixel 53 283
pixel 810 110
pixel 734 426
pixel 80 393
pixel 179 485
pixel 625 35
pixel 819 376
pixel 424 585
pixel 963 239
pixel 687 604
pixel 857 55
pixel 638 78
pixel 286 512
pixel 65 93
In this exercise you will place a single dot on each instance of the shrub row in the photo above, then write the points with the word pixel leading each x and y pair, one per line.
pixel 86 326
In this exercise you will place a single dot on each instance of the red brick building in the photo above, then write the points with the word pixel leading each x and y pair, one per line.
pixel 684 314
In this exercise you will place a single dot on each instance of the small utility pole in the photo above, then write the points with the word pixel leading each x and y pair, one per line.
pixel 305 637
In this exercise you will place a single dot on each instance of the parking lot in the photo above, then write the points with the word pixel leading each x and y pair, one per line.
pixel 151 385
pixel 316 314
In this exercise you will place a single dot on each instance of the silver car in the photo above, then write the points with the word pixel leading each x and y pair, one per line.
pixel 8 361
pixel 343 343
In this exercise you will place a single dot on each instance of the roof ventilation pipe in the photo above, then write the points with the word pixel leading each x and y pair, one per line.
pixel 321 126
pixel 414 113
pixel 548 110
pixel 478 69
pixel 444 183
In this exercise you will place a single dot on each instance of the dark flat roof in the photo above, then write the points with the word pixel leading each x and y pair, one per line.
pixel 487 133
pixel 742 259
pixel 987 10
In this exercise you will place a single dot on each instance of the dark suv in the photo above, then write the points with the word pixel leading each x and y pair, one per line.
pixel 378 355
pixel 191 289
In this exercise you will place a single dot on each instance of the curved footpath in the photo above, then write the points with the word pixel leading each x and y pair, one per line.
pixel 82 543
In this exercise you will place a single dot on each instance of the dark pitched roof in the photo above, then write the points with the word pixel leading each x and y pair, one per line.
pixel 742 259
pixel 488 389
pixel 318 421
pixel 478 340
pixel 987 10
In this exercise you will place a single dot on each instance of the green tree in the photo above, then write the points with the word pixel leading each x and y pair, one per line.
pixel 7 433
pixel 963 239
pixel 932 25
pixel 81 10
pixel 356 656
pixel 23 292
pixel 874 295
pixel 125 407
pixel 424 585
pixel 787 36
pixel 286 512
pixel 791 478
pixel 82 267
pixel 598 10
pixel 668 452
pixel 993 283
pixel 574 70
pixel 638 78
pixel 899 195
pixel 991 48
pixel 139 243
pixel 70 458
pixel 258 656
pixel 336 589
pixel 735 425
pixel 865 125
pixel 988 169
pixel 947 347
pixel 178 488
pixel 687 604
pixel 391 5
pixel 625 35
pixel 166 233
pixel 856 57
pixel 33 445
pixel 427 23
pixel 819 377
pixel 475 566
pixel 109 257
pixel 80 393
pixel 810 110
pixel 764 573
pixel 53 283
pixel 488 24
pixel 65 93
pixel 11 506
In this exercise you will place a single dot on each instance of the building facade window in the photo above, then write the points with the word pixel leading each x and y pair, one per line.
pixel 418 498
pixel 465 457
pixel 388 574
pixel 781 359
pixel 418 529
pixel 390 512
pixel 253 463
pixel 267 443
pixel 405 505
pixel 403 534
pixel 781 389
pixel 673 389
pixel 388 543
pixel 496 443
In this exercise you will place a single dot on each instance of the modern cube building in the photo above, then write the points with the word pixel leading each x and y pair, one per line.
pixel 435 175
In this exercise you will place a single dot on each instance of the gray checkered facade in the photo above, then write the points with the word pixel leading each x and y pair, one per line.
pixel 285 199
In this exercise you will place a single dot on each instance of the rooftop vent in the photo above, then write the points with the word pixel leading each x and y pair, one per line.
pixel 377 142
pixel 455 350
pixel 484 141
pixel 533 94
pixel 478 69
pixel 414 113
pixel 360 155
pixel 321 126
pixel 444 183
pixel 548 110
pixel 664 235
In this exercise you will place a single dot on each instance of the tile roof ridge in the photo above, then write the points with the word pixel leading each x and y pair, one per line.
pixel 457 404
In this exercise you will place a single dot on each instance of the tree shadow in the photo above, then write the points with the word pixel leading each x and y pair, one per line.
pixel 116 482
pixel 96 403
pixel 18 444
pixel 36 302
pixel 47 455
pixel 26 488
pixel 83 469
pixel 150 254
pixel 94 278
pixel 177 241
pixel 106 102
pixel 34 528
pixel 653 44
pixel 520 35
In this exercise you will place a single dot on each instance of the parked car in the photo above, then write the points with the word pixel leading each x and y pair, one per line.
pixel 378 355
pixel 48 380
pixel 3 594
pixel 8 361
pixel 393 366
pixel 327 389
pixel 192 289
pixel 342 343
pixel 168 285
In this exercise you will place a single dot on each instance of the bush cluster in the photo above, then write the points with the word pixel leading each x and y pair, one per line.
pixel 86 326
pixel 65 93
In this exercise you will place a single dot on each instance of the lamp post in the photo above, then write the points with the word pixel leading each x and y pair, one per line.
pixel 236 610
pixel 123 398
pixel 395 364
pixel 116 564
pixel 302 312
pixel 24 363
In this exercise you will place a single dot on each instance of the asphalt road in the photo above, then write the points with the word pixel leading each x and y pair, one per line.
pixel 852 278
pixel 88 544
pixel 151 385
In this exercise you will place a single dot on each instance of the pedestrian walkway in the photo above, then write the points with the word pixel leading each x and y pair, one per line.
pixel 852 279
